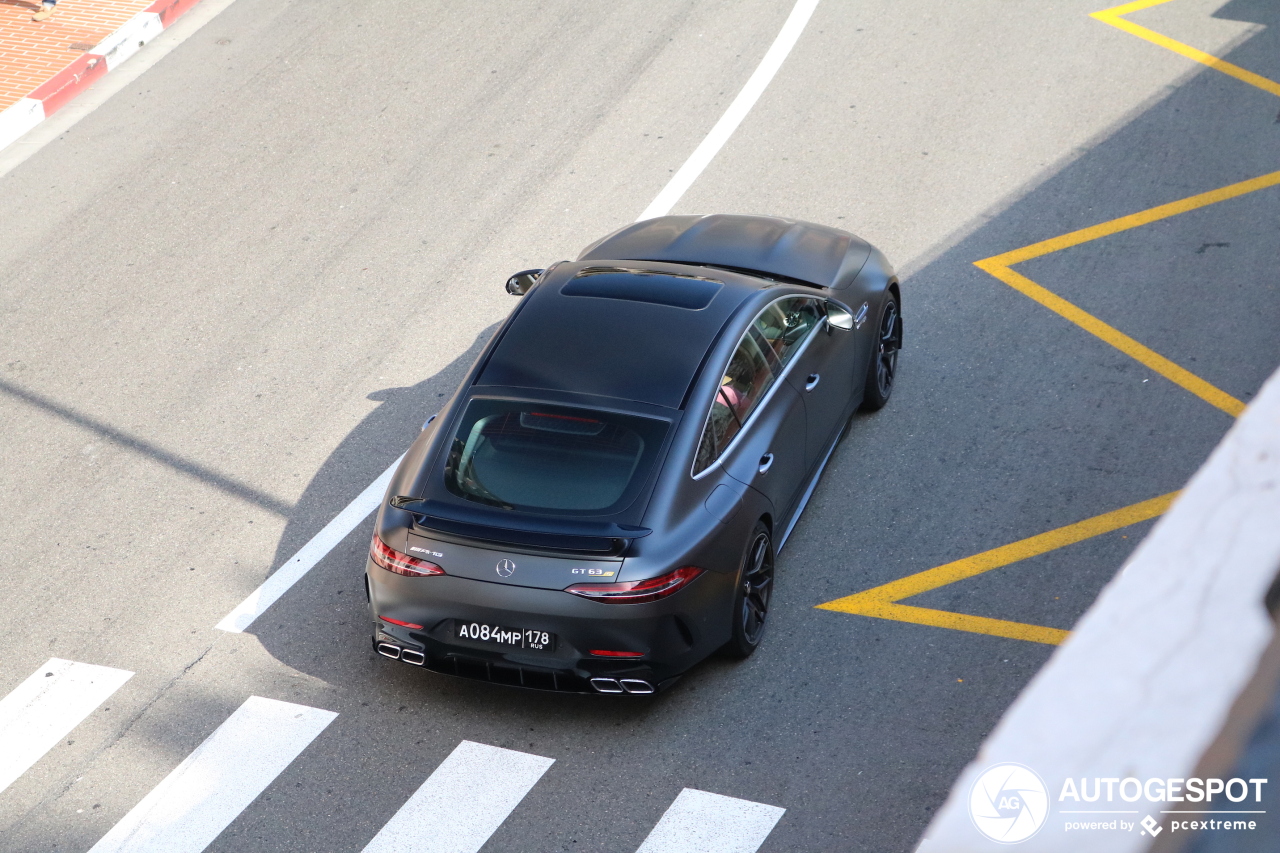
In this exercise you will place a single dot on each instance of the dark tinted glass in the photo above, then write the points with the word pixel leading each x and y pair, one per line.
pixel 532 456
pixel 785 324
pixel 774 337
pixel 744 384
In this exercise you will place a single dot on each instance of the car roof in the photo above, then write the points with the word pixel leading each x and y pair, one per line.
pixel 626 330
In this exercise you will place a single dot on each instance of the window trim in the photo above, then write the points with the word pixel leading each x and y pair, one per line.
pixel 778 380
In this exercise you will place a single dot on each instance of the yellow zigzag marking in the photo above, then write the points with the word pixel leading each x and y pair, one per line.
pixel 883 601
pixel 1114 17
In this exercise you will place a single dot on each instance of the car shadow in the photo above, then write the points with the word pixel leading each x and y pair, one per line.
pixel 375 443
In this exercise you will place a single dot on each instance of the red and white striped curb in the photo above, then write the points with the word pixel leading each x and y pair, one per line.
pixel 106 56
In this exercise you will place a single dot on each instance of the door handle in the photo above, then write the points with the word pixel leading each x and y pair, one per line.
pixel 766 462
pixel 812 382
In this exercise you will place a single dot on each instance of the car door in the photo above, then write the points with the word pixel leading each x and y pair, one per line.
pixel 757 427
pixel 818 362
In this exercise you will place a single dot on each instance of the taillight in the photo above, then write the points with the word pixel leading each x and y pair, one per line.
pixel 402 564
pixel 637 592
pixel 415 626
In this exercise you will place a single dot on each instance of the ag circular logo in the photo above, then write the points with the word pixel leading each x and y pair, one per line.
pixel 1008 803
pixel 505 568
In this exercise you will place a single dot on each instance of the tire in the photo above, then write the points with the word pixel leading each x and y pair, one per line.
pixel 883 367
pixel 754 590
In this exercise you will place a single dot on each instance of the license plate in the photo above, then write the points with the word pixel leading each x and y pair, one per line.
pixel 509 638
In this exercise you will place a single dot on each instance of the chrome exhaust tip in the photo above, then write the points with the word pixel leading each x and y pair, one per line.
pixel 635 685
pixel 606 685
pixel 414 657
pixel 387 650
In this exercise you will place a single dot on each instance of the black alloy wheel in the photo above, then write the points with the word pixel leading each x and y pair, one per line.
pixel 884 359
pixel 755 588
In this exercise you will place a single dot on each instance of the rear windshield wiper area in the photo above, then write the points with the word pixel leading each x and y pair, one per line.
pixel 554 534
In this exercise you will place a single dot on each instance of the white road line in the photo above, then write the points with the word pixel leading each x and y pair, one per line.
pixel 313 552
pixel 194 803
pixel 463 802
pixel 728 123
pixel 698 822
pixel 44 709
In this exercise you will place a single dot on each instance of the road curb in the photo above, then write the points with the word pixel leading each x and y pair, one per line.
pixel 1155 672
pixel 56 92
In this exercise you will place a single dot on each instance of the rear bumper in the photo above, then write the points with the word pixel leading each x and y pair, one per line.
pixel 486 666
pixel 672 634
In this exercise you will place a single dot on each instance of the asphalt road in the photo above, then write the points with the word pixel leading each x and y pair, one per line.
pixel 230 296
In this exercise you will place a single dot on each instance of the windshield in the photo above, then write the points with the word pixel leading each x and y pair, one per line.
pixel 534 456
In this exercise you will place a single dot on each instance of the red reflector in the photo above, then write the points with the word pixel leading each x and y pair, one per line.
pixel 401 624
pixel 601 653
pixel 637 592
pixel 402 564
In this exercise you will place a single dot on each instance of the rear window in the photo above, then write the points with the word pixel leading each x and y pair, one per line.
pixel 537 457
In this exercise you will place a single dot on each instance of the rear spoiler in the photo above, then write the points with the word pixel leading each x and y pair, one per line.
pixel 552 533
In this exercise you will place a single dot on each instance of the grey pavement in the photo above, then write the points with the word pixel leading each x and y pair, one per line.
pixel 230 296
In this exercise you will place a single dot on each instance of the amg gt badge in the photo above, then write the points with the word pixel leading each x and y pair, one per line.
pixel 505 568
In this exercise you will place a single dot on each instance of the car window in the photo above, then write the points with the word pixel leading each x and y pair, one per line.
pixel 785 324
pixel 745 382
pixel 545 458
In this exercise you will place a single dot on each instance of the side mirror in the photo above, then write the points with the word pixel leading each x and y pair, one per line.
pixel 520 283
pixel 838 316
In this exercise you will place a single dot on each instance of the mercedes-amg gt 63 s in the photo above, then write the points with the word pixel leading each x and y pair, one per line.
pixel 598 507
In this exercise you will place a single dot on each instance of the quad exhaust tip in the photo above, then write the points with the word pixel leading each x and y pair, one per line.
pixel 625 685
pixel 635 685
pixel 606 685
pixel 411 656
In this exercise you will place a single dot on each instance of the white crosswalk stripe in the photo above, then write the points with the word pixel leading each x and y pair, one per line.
pixel 699 822
pixel 463 802
pixel 200 798
pixel 42 710
pixel 456 810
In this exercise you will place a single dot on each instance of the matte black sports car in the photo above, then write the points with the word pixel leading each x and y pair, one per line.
pixel 598 506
